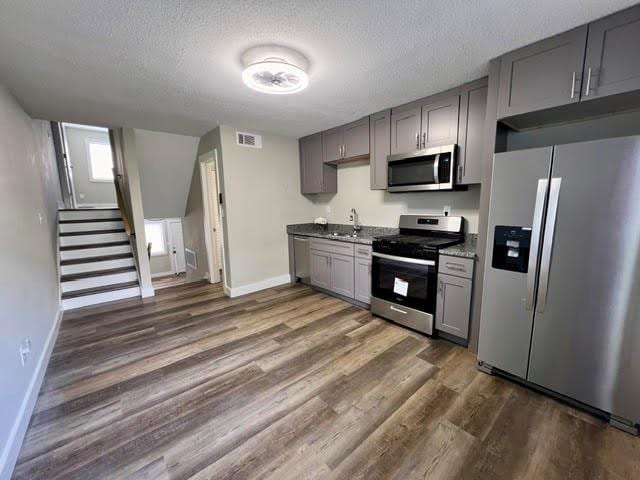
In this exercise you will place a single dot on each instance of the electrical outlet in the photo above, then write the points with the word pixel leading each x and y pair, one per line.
pixel 328 209
pixel 25 350
pixel 40 217
pixel 82 196
pixel 446 210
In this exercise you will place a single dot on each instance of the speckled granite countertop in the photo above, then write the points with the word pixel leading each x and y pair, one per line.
pixel 465 250
pixel 365 235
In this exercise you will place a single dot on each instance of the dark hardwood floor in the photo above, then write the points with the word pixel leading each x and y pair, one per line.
pixel 288 383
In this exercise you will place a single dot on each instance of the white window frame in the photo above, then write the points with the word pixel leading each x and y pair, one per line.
pixel 88 142
pixel 163 228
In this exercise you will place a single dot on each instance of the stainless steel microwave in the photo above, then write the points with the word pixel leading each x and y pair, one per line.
pixel 428 169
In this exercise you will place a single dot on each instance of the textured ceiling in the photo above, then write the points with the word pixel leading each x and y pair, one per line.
pixel 174 65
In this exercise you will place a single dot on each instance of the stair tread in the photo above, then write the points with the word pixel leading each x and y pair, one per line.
pixel 91 220
pixel 103 289
pixel 85 209
pixel 97 273
pixel 100 258
pixel 91 232
pixel 94 245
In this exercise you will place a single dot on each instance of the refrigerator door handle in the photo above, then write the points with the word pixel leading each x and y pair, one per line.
pixel 536 229
pixel 549 230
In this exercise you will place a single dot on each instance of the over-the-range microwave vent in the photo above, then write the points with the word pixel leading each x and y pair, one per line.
pixel 249 140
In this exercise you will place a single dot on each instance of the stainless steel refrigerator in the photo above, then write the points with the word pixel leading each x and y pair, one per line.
pixel 561 299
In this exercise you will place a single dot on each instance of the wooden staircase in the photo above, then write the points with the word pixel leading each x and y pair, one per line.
pixel 96 258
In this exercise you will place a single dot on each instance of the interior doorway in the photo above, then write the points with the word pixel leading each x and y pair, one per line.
pixel 213 215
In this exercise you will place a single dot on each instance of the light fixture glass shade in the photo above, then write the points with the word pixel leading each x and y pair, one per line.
pixel 275 76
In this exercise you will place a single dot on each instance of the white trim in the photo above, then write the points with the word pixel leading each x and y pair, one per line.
pixel 97 298
pixel 255 287
pixel 14 443
pixel 147 292
pixel 85 127
pixel 163 274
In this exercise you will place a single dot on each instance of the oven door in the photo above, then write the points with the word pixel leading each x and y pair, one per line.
pixel 409 282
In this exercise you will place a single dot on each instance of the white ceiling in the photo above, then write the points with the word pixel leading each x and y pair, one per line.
pixel 174 65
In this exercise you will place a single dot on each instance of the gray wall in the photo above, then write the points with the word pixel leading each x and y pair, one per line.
pixel 380 208
pixel 166 164
pixel 29 296
pixel 100 193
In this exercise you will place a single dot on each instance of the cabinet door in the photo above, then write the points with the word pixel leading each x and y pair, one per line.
pixel 363 280
pixel 332 144
pixel 321 269
pixel 440 122
pixel 380 148
pixel 473 107
pixel 543 75
pixel 453 305
pixel 311 169
pixel 405 129
pixel 342 275
pixel 612 61
pixel 356 138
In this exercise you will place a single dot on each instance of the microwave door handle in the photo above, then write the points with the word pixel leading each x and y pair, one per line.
pixel 536 229
pixel 436 169
pixel 549 230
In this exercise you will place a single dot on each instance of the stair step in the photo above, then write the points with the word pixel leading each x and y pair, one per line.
pixel 96 273
pixel 91 227
pixel 74 253
pixel 92 238
pixel 105 279
pixel 97 258
pixel 89 214
pixel 93 245
pixel 89 220
pixel 91 232
pixel 122 292
pixel 92 291
pixel 86 267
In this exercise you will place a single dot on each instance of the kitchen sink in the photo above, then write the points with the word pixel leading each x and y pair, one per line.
pixel 342 235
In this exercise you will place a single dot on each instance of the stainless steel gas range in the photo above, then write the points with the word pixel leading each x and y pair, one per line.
pixel 405 269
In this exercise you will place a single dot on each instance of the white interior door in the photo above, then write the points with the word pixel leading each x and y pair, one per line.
pixel 176 246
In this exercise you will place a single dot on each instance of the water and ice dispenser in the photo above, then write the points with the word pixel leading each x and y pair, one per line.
pixel 511 248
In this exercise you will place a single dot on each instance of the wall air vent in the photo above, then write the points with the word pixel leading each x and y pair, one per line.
pixel 249 140
pixel 190 258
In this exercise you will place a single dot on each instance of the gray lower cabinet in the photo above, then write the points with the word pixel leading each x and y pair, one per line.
pixel 342 281
pixel 321 269
pixel 473 107
pixel 315 175
pixel 612 61
pixel 380 145
pixel 362 271
pixel 453 305
pixel 543 75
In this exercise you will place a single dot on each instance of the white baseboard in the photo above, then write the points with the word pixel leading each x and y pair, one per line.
pixel 14 443
pixel 162 274
pixel 255 287
pixel 147 292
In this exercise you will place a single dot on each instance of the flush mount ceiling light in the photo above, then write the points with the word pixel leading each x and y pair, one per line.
pixel 274 69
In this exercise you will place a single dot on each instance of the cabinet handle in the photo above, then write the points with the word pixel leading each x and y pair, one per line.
pixel 363 252
pixel 440 287
pixel 573 85
pixel 418 140
pixel 586 90
pixel 424 139
pixel 459 173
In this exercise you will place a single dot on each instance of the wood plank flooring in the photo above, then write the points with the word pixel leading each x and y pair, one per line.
pixel 289 383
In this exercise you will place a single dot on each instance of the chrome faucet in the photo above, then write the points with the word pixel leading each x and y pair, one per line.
pixel 353 217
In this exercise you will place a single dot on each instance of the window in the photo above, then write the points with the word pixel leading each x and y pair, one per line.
pixel 154 231
pixel 100 162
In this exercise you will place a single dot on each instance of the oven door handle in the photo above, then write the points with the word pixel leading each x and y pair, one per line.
pixel 415 261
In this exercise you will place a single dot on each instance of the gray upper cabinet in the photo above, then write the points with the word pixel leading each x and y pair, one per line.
pixel 473 107
pixel 342 281
pixel 356 138
pixel 440 122
pixel 453 305
pixel 380 144
pixel 543 75
pixel 405 129
pixel 315 175
pixel 332 144
pixel 612 61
